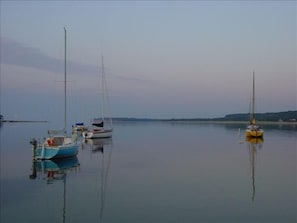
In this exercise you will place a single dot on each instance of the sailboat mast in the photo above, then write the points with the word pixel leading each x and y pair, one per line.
pixel 253 98
pixel 252 108
pixel 104 96
pixel 65 83
pixel 102 88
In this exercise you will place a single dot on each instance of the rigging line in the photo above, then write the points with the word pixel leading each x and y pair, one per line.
pixel 101 90
pixel 65 80
pixel 108 101
pixel 105 95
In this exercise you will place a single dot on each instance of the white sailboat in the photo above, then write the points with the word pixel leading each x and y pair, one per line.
pixel 253 130
pixel 58 144
pixel 99 129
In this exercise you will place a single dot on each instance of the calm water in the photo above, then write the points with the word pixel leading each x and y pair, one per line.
pixel 150 173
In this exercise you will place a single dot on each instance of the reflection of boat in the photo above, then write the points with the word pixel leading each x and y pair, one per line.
pixel 253 130
pixel 1 120
pixel 254 144
pixel 104 174
pixel 54 170
pixel 97 144
pixel 99 129
pixel 58 144
pixel 104 147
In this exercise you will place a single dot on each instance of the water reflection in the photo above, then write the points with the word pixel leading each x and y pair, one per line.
pixel 96 145
pixel 142 177
pixel 254 144
pixel 104 146
pixel 54 170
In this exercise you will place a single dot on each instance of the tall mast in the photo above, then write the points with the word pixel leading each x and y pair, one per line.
pixel 65 84
pixel 253 98
pixel 102 88
pixel 105 96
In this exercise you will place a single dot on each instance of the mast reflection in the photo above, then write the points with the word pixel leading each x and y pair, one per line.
pixel 103 146
pixel 54 170
pixel 254 144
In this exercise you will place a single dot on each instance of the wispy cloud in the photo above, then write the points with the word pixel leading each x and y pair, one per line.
pixel 19 54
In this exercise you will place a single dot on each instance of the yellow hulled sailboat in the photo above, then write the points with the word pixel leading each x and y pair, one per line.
pixel 253 130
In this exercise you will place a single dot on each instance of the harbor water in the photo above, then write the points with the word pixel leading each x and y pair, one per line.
pixel 152 172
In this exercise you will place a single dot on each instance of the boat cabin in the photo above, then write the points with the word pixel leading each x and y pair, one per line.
pixel 55 141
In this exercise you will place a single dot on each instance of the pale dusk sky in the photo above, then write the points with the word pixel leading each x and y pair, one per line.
pixel 163 59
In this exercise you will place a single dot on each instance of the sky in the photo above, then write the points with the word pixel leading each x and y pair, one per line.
pixel 162 59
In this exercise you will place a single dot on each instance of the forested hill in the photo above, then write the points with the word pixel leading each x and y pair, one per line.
pixel 287 116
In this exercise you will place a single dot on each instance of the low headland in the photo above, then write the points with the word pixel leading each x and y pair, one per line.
pixel 285 117
pixel 10 120
pixel 16 121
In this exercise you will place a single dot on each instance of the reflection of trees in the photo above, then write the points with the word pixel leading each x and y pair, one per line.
pixel 254 144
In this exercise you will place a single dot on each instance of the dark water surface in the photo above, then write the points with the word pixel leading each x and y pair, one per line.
pixel 151 173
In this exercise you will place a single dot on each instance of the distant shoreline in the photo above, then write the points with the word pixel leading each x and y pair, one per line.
pixel 230 122
pixel 16 121
pixel 268 118
pixel 177 121
pixel 193 121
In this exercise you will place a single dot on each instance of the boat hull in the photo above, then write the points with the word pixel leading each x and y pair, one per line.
pixel 254 133
pixel 97 134
pixel 56 152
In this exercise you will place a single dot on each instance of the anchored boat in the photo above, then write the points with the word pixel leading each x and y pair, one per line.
pixel 99 129
pixel 57 144
pixel 253 129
